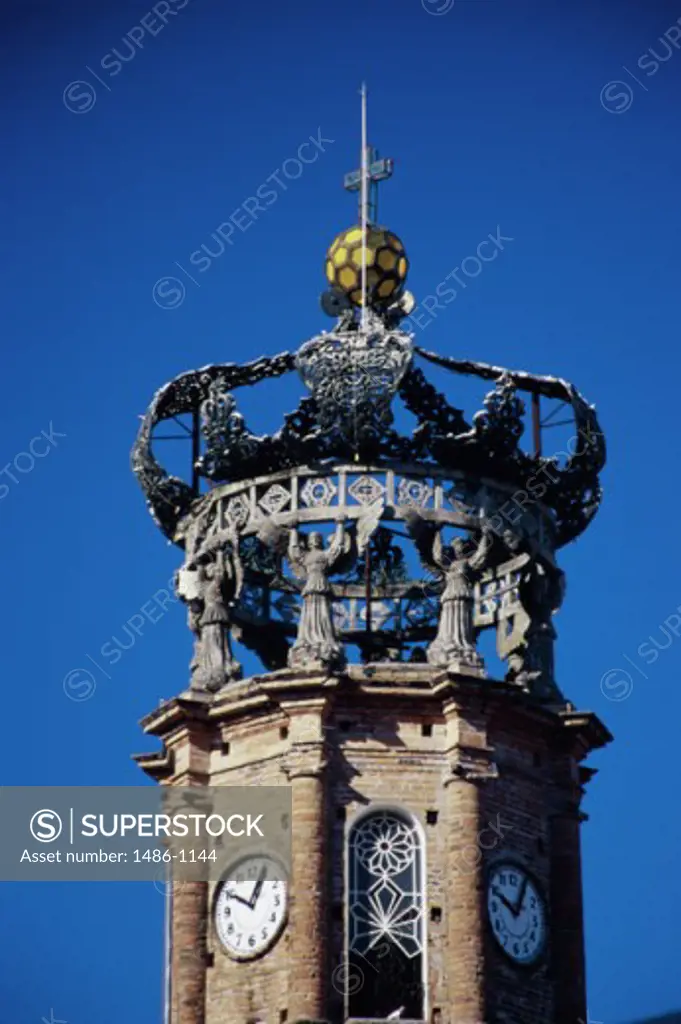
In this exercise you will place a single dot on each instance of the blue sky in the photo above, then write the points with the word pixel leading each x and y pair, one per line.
pixel 555 123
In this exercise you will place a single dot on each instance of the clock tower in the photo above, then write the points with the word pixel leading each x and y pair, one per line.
pixel 385 570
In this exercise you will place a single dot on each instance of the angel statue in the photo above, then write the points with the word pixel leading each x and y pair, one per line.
pixel 458 565
pixel 541 590
pixel 210 583
pixel 316 643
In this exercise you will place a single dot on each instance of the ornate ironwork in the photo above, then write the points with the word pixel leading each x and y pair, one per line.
pixel 169 498
pixel 385 896
pixel 229 443
pixel 339 464
pixel 500 424
pixel 386 917
pixel 353 376
pixel 323 428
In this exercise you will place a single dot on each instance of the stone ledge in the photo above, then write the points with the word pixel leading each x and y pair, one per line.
pixel 418 691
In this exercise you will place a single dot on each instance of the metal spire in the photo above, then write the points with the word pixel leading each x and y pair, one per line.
pixel 372 170
pixel 364 203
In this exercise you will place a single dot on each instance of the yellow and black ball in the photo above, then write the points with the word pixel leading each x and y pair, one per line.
pixel 386 263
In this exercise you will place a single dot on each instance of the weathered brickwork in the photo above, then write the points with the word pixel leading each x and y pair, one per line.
pixel 188 961
pixel 485 774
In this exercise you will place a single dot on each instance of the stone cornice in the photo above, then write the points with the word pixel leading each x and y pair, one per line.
pixel 158 766
pixel 181 710
pixel 305 760
pixel 303 698
pixel 471 764
pixel 582 731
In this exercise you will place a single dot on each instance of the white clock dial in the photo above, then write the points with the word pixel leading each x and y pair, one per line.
pixel 517 913
pixel 251 907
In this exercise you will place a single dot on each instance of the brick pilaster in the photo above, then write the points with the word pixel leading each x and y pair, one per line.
pixel 305 768
pixel 469 767
pixel 567 920
pixel 188 939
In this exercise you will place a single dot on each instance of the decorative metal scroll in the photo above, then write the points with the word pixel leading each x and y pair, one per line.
pixel 574 491
pixel 169 498
pixel 353 377
pixel 228 439
pixel 401 608
pixel 346 491
pixel 412 616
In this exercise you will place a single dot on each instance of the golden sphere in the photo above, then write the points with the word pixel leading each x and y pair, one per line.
pixel 386 263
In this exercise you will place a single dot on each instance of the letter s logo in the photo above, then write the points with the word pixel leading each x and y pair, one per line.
pixel 45 826
pixel 617 100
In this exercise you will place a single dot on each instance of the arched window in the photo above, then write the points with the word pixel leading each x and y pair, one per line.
pixel 385 917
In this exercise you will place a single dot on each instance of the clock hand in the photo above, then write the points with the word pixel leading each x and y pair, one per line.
pixel 258 888
pixel 240 899
pixel 516 909
pixel 499 894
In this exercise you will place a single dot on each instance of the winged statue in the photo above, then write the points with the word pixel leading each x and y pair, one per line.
pixel 210 582
pixel 457 566
pixel 313 562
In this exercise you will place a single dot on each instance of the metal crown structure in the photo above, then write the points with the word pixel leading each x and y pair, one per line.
pixel 342 531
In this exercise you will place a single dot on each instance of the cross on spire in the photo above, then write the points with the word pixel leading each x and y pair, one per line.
pixel 377 169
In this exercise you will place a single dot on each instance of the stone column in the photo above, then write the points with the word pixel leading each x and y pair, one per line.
pixel 470 766
pixel 188 952
pixel 189 751
pixel 308 925
pixel 567 921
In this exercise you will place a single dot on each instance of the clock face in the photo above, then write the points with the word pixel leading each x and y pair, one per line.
pixel 517 913
pixel 251 906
